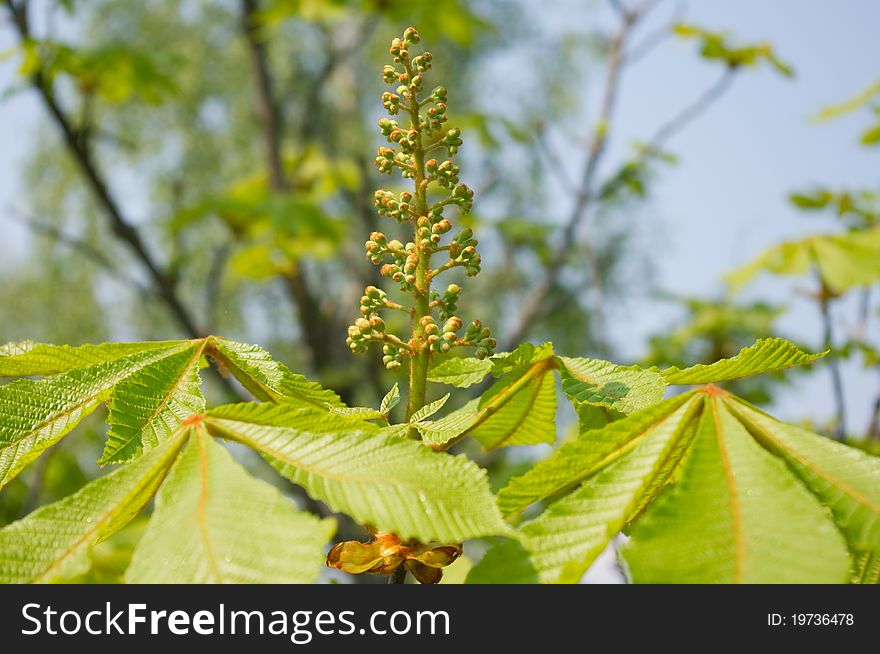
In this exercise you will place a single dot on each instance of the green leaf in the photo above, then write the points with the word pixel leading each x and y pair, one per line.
pixel 361 412
pixel 266 378
pixel 621 388
pixel 846 479
pixel 576 461
pixel 866 568
pixel 302 418
pixel 766 355
pixel 871 135
pixel 506 562
pixel 461 372
pixel 736 516
pixel 844 261
pixel 148 406
pixel 391 400
pixel 519 409
pixel 857 102
pixel 813 201
pixel 717 46
pixel 34 415
pixel 215 523
pixel 53 543
pixel 26 358
pixel 567 537
pixel 524 355
pixel 394 484
pixel 429 409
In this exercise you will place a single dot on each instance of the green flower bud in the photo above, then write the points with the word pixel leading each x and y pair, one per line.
pixel 410 35
pixel 377 323
pixel 442 227
pixel 452 325
pixel 389 74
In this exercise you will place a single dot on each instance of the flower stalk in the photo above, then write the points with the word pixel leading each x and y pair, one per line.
pixel 435 187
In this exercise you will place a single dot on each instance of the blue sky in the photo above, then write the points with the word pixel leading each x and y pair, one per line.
pixel 726 199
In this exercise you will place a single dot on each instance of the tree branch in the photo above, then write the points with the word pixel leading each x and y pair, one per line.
pixel 335 58
pixel 833 363
pixel 268 113
pixel 691 112
pixel 532 306
pixel 85 248
pixel 122 228
pixel 315 324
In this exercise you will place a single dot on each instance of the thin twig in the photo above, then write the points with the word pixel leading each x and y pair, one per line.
pixel 532 305
pixel 83 247
pixel 316 325
pixel 335 58
pixel 552 157
pixel 692 111
pixel 654 38
pixel 833 362
pixel 268 112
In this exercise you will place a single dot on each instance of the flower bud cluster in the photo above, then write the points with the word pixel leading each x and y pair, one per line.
pixel 364 330
pixel 481 337
pixel 410 144
pixel 447 304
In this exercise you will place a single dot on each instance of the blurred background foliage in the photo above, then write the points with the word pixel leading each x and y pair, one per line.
pixel 205 166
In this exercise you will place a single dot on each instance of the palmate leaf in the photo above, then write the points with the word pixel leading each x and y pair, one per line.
pixel 302 418
pixel 846 479
pixel 53 542
pixel 266 378
pixel 866 568
pixel 35 414
pixel 460 371
pixel 215 523
pixel 577 460
pixel 622 388
pixel 843 261
pixel 766 355
pixel 567 537
pixel 27 358
pixel 394 484
pixel 519 409
pixel 147 406
pixel 507 562
pixel 736 516
pixel 712 490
